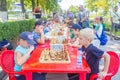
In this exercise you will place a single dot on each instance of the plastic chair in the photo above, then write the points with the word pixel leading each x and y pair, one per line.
pixel 7 64
pixel 3 49
pixel 113 67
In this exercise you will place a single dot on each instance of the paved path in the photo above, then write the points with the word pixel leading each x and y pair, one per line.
pixel 111 46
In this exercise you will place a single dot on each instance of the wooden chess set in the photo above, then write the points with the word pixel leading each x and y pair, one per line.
pixel 58 52
pixel 57 32
pixel 55 56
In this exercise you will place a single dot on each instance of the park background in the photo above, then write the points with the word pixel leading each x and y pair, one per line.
pixel 17 16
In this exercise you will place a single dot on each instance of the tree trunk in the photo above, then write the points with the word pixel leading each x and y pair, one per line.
pixel 37 3
pixel 22 5
pixel 3 10
pixel 23 9
pixel 33 5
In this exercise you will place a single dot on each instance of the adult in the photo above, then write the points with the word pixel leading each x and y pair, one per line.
pixel 83 17
pixel 37 13
pixel 65 14
pixel 56 16
pixel 115 20
pixel 70 15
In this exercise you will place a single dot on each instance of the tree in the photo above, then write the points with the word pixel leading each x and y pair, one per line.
pixel 3 5
pixel 3 10
pixel 33 4
pixel 100 5
pixel 22 5
pixel 73 9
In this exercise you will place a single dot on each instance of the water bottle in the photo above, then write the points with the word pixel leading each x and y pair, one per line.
pixel 79 58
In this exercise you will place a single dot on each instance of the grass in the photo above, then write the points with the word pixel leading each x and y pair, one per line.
pixel 118 33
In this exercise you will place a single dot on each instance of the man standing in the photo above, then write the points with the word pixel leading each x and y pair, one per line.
pixel 83 17
pixel 38 13
pixel 115 20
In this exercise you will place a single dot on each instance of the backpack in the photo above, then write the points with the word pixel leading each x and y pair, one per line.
pixel 103 38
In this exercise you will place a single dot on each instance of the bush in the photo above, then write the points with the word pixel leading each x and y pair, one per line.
pixel 11 30
pixel 107 26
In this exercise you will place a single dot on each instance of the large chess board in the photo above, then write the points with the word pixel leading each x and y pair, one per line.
pixel 52 56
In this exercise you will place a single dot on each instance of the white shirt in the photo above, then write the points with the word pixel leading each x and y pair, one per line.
pixel 115 16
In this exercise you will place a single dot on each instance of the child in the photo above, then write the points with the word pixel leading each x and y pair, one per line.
pixel 92 53
pixel 38 33
pixel 22 53
pixel 99 29
pixel 47 27
pixel 5 44
pixel 75 42
pixel 75 30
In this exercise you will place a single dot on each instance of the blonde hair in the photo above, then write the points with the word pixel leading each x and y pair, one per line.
pixel 87 33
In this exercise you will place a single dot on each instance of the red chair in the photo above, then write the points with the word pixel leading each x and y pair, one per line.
pixel 113 67
pixel 7 64
pixel 3 49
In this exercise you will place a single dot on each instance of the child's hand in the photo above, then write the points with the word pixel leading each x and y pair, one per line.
pixel 102 74
pixel 69 44
pixel 31 48
pixel 40 30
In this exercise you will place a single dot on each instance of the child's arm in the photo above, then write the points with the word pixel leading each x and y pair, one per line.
pixel 41 40
pixel 75 44
pixel 22 59
pixel 106 65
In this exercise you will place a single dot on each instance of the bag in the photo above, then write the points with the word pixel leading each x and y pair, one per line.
pixel 6 44
pixel 103 38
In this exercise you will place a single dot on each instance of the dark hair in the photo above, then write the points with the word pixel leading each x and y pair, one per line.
pixel 39 22
pixel 76 27
pixel 101 18
pixel 70 23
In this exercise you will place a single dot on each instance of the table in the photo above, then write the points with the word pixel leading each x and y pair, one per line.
pixel 33 65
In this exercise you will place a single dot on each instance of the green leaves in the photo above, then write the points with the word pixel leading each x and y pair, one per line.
pixel 11 30
pixel 102 6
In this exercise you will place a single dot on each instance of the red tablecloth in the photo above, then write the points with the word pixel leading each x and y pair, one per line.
pixel 33 64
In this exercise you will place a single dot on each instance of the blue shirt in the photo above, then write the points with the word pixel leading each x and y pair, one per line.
pixel 93 55
pixel 23 51
pixel 46 30
pixel 70 15
pixel 36 36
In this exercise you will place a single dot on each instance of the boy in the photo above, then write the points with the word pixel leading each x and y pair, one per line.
pixel 75 30
pixel 75 42
pixel 92 53
pixel 5 44
pixel 38 33
pixel 100 34
pixel 22 53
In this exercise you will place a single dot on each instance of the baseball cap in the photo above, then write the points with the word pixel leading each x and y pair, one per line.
pixel 76 26
pixel 28 37
pixel 38 23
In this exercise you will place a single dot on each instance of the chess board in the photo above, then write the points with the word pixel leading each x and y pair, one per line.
pixel 52 56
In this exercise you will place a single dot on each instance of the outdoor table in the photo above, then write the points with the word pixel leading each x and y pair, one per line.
pixel 33 64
